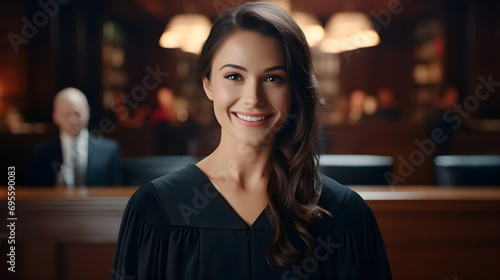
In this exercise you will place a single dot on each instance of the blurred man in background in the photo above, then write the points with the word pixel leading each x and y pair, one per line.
pixel 75 158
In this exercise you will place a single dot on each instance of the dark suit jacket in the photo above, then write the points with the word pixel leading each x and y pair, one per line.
pixel 103 164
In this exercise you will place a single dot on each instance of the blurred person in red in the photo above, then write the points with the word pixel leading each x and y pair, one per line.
pixel 173 127
pixel 165 110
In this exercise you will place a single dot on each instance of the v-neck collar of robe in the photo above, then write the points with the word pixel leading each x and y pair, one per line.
pixel 190 199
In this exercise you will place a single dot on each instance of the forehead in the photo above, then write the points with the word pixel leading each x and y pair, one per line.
pixel 70 102
pixel 250 50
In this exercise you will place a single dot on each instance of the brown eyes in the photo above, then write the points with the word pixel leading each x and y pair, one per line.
pixel 274 79
pixel 270 78
pixel 233 77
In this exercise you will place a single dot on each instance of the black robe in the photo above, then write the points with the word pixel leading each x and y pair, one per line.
pixel 179 227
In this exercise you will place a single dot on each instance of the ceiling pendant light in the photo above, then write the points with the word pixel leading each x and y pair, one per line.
pixel 348 31
pixel 187 32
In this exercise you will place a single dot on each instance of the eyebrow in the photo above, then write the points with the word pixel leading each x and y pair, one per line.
pixel 278 67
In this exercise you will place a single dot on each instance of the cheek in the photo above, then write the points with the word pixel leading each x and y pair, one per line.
pixel 66 121
pixel 282 101
pixel 223 97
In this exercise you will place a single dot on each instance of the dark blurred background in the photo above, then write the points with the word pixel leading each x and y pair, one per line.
pixel 437 65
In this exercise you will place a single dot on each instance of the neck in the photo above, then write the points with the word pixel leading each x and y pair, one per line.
pixel 242 164
pixel 82 132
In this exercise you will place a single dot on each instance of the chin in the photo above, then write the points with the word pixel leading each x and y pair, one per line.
pixel 74 133
pixel 258 139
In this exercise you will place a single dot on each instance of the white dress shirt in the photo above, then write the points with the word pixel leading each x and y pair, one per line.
pixel 75 156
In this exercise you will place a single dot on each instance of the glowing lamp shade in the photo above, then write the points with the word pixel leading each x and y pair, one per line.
pixel 311 27
pixel 348 31
pixel 187 32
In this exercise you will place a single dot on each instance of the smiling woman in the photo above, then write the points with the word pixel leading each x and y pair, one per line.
pixel 257 207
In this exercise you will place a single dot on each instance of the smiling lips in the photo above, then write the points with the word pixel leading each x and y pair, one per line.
pixel 251 120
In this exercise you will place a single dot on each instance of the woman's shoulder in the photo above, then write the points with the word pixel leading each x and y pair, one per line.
pixel 181 184
pixel 334 196
pixel 171 188
pixel 184 193
pixel 345 205
pixel 144 210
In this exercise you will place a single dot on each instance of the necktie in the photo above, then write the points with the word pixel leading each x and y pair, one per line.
pixel 78 168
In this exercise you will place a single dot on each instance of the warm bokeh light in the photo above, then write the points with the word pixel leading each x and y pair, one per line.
pixel 311 27
pixel 428 73
pixel 348 31
pixel 370 105
pixel 187 32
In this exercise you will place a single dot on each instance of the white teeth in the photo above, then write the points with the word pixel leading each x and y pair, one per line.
pixel 250 119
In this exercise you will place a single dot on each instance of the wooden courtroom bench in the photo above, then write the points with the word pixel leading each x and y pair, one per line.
pixel 429 232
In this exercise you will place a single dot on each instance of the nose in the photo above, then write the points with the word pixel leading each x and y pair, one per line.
pixel 253 94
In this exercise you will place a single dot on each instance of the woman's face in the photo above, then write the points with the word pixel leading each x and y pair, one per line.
pixel 249 87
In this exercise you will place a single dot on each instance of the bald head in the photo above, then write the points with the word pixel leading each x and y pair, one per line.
pixel 71 111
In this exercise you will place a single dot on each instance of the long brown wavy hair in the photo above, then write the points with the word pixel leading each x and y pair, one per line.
pixel 294 183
